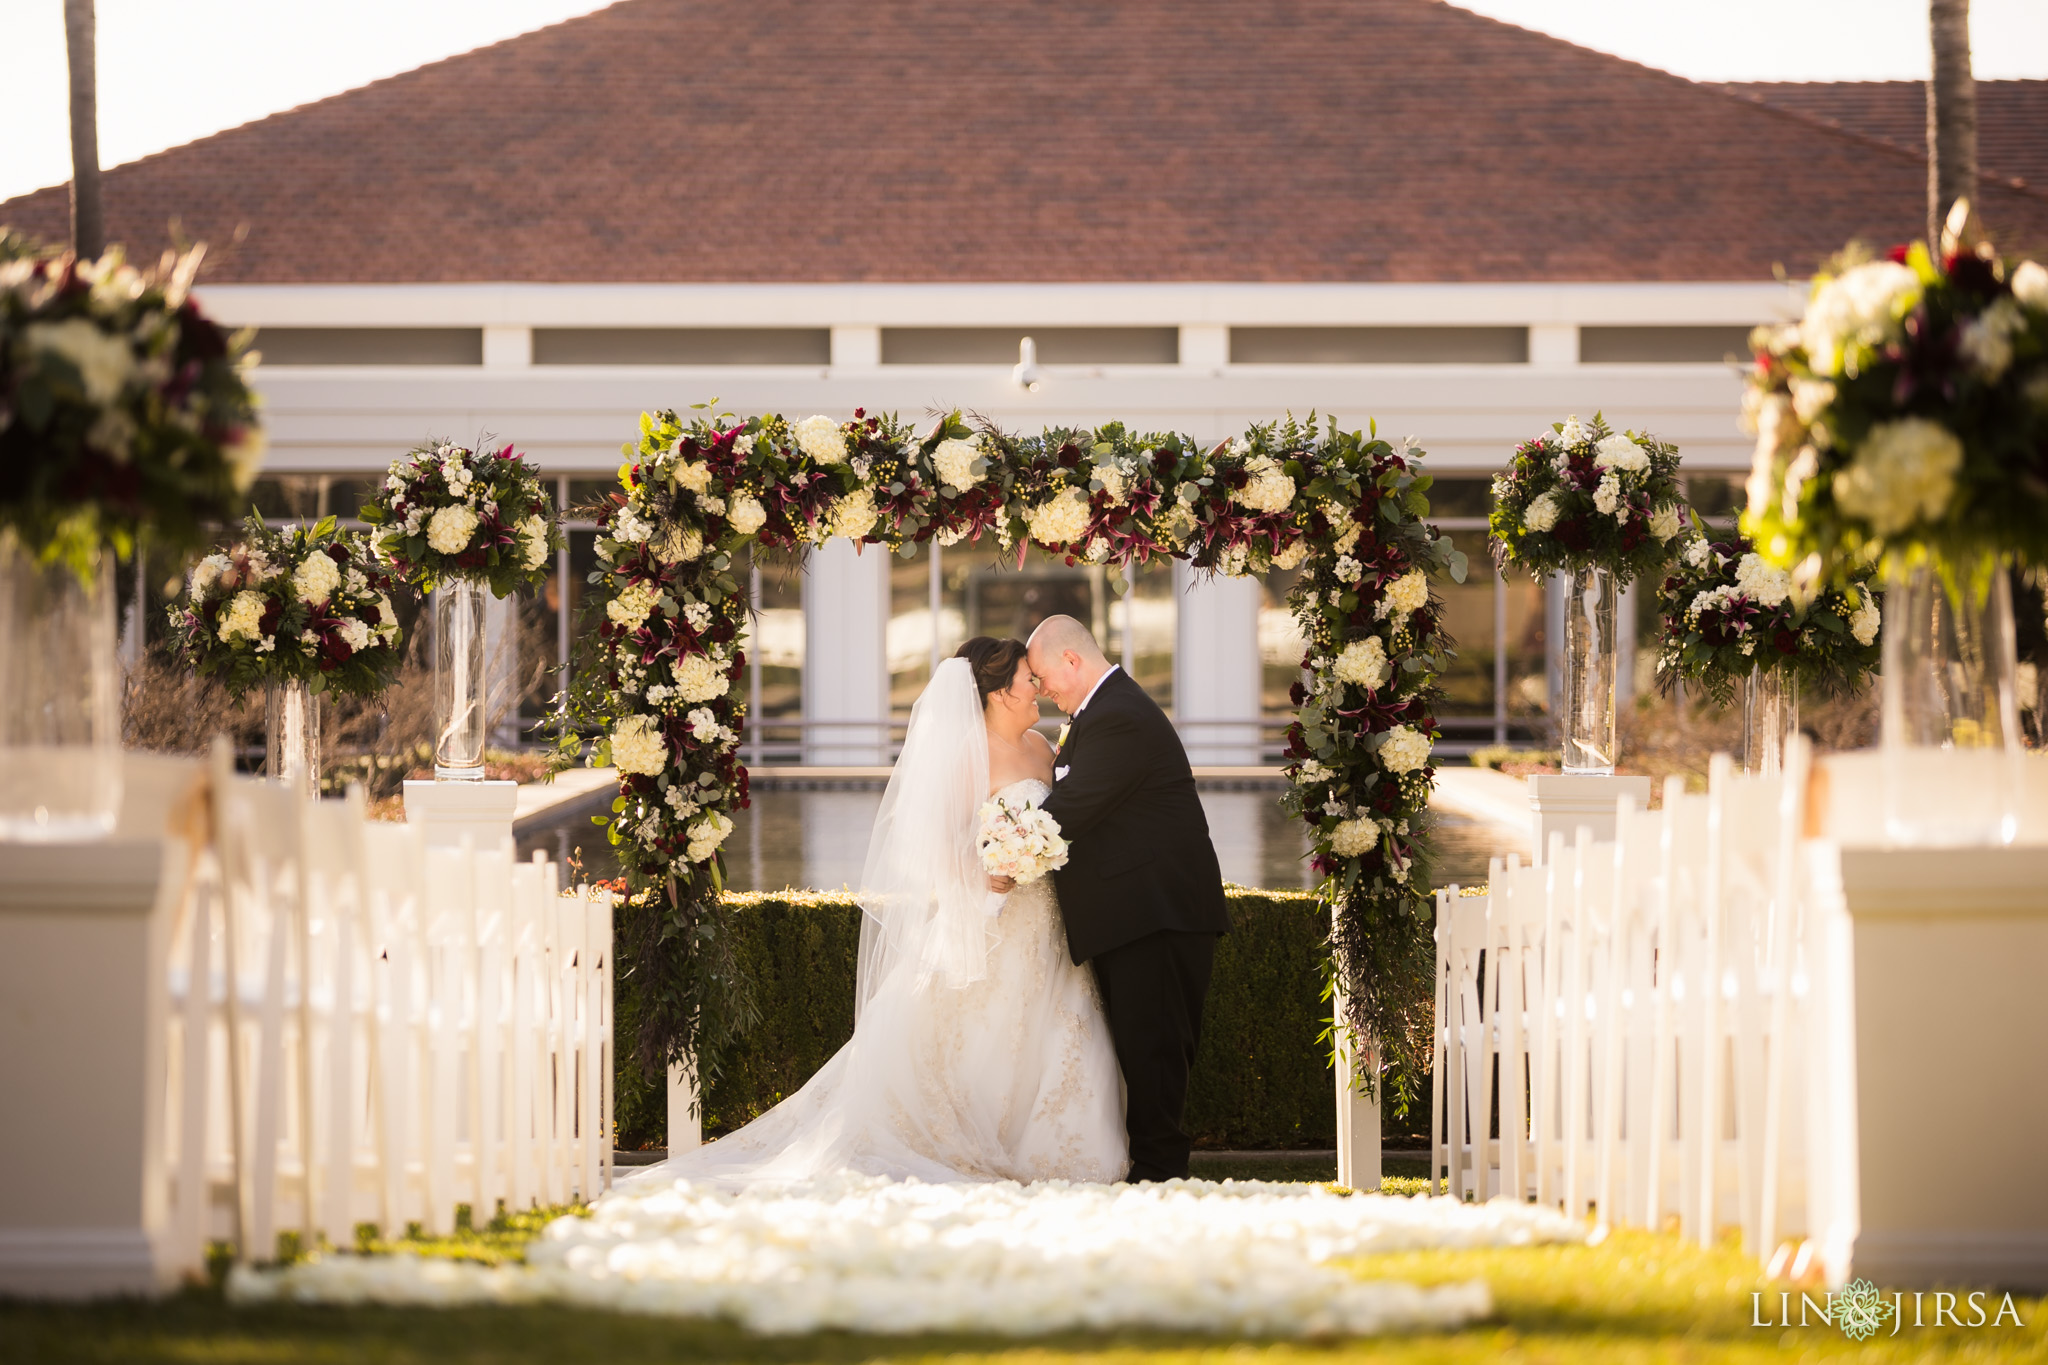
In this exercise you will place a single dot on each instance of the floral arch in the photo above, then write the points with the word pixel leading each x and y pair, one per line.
pixel 659 674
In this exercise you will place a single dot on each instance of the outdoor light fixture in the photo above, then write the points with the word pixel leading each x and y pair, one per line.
pixel 1027 374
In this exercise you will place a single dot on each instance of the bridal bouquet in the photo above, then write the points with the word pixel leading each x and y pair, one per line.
pixel 1581 496
pixel 123 407
pixel 451 512
pixel 1905 416
pixel 299 604
pixel 1020 842
pixel 1728 610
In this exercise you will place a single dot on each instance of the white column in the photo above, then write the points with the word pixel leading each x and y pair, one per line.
pixel 685 1114
pixel 1204 346
pixel 856 348
pixel 1554 344
pixel 508 347
pixel 1216 667
pixel 1358 1114
pixel 846 674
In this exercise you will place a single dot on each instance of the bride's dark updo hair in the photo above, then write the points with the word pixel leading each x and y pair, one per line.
pixel 994 662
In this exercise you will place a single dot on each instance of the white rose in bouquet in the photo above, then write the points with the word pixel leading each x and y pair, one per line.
pixel 1865 619
pixel 695 475
pixel 450 528
pixel 1905 471
pixel 354 632
pixel 1353 838
pixel 1619 452
pixel 748 515
pixel 637 747
pixel 2030 285
pixel 533 533
pixel 1666 523
pixel 705 837
pixel 1541 513
pixel 1863 306
pixel 1020 842
pixel 104 361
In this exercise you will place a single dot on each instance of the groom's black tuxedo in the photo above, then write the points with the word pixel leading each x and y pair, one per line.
pixel 1142 898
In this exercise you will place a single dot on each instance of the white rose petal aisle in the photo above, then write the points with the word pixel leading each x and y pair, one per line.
pixel 454 521
pixel 1604 507
pixel 861 1254
pixel 657 693
pixel 1902 427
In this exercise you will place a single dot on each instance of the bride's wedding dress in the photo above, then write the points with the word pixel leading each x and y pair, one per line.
pixel 980 1050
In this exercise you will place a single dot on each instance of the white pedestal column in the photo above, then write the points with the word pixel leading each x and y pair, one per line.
pixel 846 673
pixel 1358 1119
pixel 1559 803
pixel 1950 1019
pixel 84 942
pixel 447 812
pixel 1216 667
pixel 685 1114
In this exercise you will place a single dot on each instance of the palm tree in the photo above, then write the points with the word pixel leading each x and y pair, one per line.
pixel 1951 115
pixel 88 229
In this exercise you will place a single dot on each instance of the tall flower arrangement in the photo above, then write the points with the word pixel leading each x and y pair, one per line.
pixel 123 407
pixel 298 604
pixel 661 690
pixel 1905 418
pixel 1583 496
pixel 1728 611
pixel 447 512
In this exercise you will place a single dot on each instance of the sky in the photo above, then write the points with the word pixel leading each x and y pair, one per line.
pixel 174 70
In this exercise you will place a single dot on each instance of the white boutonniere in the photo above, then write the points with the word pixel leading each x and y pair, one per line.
pixel 1061 742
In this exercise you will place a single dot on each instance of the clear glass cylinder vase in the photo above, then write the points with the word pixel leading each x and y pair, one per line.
pixel 1770 712
pixel 1586 729
pixel 60 700
pixel 291 732
pixel 1951 735
pixel 460 712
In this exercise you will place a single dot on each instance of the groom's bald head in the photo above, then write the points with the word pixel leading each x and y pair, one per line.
pixel 1066 661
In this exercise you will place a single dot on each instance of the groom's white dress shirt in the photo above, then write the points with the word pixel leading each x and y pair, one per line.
pixel 1060 773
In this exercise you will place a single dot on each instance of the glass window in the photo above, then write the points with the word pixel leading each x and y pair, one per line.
pixel 1142 628
pixel 1055 345
pixel 775 636
pixel 1468 618
pixel 1718 498
pixel 1281 645
pixel 1663 345
pixel 1452 497
pixel 1379 345
pixel 1526 644
pixel 370 345
pixel 682 346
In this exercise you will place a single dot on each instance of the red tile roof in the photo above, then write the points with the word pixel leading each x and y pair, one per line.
pixel 2012 118
pixel 998 140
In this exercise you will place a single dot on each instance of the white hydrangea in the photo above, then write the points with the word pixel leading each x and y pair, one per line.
pixel 852 516
pixel 1698 553
pixel 1620 452
pixel 1666 523
pixel 354 633
pixel 748 515
pixel 629 527
pixel 1312 770
pixel 105 361
pixel 1292 556
pixel 743 444
pixel 821 439
pixel 1810 397
pixel 1354 838
pixel 699 679
pixel 316 578
pixel 1270 488
pixel 1363 663
pixel 1115 480
pixel 1607 497
pixel 533 534
pixel 1541 514
pixel 632 607
pixel 1347 569
pixel 1761 581
pixel 1408 593
pixel 1404 749
pixel 637 747
pixel 1714 600
pixel 706 835
pixel 450 528
pixel 1064 519
pixel 703 725
pixel 1863 306
pixel 243 620
pixel 694 475
pixel 1985 341
pixel 698 614
pixel 954 459
pixel 1905 471
pixel 679 801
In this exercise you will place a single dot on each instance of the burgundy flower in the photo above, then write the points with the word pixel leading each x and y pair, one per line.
pixel 1786 641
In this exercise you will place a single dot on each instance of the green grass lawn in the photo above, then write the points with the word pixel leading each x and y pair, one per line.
pixel 1637 1297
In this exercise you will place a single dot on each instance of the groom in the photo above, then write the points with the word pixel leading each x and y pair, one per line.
pixel 1141 893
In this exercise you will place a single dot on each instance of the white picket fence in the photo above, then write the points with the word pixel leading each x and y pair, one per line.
pixel 366 1029
pixel 1646 1030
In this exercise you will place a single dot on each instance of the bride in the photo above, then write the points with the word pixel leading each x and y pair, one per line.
pixel 979 1050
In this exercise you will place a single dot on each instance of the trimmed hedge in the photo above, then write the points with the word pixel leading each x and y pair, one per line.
pixel 1261 1078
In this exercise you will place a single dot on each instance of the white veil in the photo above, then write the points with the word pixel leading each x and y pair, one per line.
pixel 923 891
